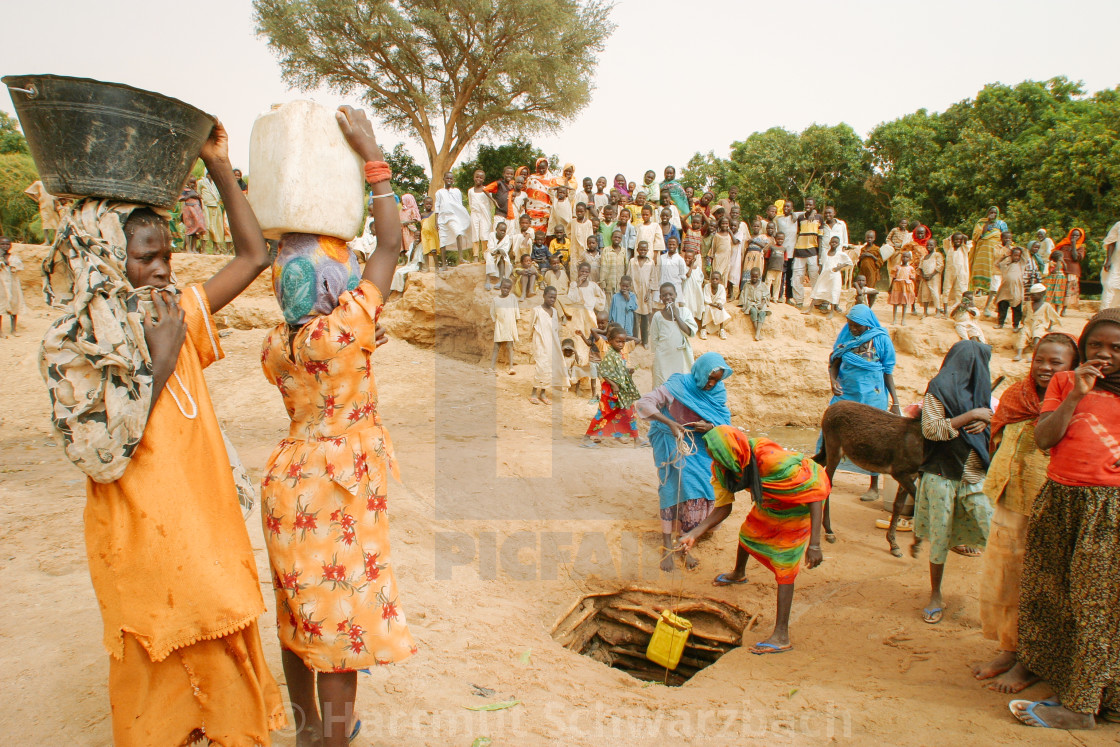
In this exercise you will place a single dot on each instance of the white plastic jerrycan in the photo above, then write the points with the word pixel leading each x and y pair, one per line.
pixel 304 176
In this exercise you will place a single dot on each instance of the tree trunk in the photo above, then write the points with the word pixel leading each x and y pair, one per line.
pixel 441 163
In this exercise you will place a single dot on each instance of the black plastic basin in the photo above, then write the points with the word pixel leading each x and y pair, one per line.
pixel 94 139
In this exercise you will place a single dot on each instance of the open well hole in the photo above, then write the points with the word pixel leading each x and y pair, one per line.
pixel 615 627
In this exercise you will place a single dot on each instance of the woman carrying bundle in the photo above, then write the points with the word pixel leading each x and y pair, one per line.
pixel 169 557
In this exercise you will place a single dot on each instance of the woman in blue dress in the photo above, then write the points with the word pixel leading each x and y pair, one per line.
pixel 861 369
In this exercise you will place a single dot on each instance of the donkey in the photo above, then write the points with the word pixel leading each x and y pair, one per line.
pixel 877 441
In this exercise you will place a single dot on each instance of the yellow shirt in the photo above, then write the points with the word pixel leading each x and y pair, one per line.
pixel 1018 469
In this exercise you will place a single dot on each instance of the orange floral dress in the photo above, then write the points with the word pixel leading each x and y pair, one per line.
pixel 323 501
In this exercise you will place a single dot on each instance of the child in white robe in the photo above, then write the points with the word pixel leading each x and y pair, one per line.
pixel 715 299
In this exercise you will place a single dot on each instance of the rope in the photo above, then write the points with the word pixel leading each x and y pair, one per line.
pixel 686 447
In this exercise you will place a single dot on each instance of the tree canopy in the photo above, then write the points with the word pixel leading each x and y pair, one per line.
pixel 1045 152
pixel 493 158
pixel 445 72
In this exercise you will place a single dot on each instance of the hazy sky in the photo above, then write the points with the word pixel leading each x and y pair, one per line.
pixel 675 77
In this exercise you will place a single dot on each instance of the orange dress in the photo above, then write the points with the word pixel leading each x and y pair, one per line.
pixel 173 570
pixel 323 501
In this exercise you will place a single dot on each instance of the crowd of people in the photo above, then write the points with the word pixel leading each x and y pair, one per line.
pixel 654 264
pixel 650 264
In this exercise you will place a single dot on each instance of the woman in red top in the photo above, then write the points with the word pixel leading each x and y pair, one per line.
pixel 1069 603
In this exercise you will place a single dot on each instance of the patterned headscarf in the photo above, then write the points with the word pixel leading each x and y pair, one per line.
pixel 309 273
pixel 95 359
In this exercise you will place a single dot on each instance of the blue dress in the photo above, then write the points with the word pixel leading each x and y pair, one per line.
pixel 865 361
pixel 623 310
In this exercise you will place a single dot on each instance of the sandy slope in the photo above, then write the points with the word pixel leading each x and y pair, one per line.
pixel 497 530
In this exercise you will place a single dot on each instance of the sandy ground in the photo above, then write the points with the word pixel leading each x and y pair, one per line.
pixel 501 522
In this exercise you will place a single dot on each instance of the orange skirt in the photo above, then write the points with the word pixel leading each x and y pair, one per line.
pixel 220 690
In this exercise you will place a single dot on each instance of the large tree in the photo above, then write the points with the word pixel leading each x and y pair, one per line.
pixel 445 72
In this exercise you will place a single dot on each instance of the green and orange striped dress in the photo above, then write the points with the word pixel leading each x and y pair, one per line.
pixel 777 529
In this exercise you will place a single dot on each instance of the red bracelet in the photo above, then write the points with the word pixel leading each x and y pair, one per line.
pixel 378 171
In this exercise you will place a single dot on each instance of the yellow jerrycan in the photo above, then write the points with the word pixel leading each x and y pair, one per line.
pixel 667 642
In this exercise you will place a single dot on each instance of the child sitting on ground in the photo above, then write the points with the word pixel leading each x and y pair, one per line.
pixel 902 287
pixel 504 311
pixel 525 278
pixel 964 317
pixel 865 294
pixel 1039 317
pixel 539 253
pixel 624 305
pixel 561 247
pixel 615 416
pixel 1056 283
pixel 715 298
pixel 497 256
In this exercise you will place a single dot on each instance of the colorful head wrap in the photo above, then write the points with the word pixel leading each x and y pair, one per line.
pixel 1068 240
pixel 309 273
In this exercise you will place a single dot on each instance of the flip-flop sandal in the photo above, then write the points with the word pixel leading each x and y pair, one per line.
pixel 355 731
pixel 1111 716
pixel 933 616
pixel 643 442
pixel 590 445
pixel 903 525
pixel 723 580
pixel 769 648
pixel 966 551
pixel 1023 711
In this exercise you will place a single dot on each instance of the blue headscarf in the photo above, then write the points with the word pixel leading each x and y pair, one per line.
pixel 694 478
pixel 846 343
pixel 688 389
pixel 965 383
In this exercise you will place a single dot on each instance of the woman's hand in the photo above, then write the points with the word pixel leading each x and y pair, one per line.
pixel 895 408
pixel 165 334
pixel 676 429
pixel 701 426
pixel 359 133
pixel 981 418
pixel 1085 377
pixel 813 557
pixel 686 542
pixel 216 148
pixel 837 390
pixel 380 336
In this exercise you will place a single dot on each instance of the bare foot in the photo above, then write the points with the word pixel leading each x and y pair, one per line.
pixel 545 400
pixel 667 564
pixel 690 562
pixel 1017 679
pixel 534 400
pixel 1004 661
pixel 872 494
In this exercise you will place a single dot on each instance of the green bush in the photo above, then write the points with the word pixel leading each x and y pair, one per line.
pixel 19 214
